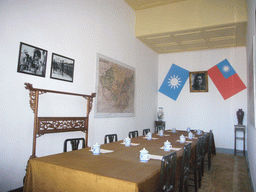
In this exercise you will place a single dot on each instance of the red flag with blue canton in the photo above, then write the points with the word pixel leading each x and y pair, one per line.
pixel 226 79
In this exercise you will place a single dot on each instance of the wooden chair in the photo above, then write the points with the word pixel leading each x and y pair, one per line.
pixel 198 163
pixel 185 168
pixel 168 170
pixel 204 150
pixel 209 150
pixel 74 143
pixel 110 138
pixel 133 134
pixel 145 131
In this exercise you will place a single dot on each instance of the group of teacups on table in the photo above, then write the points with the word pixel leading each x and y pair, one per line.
pixel 144 155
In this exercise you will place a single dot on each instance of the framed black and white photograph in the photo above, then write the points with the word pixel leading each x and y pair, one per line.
pixel 32 60
pixel 198 81
pixel 62 68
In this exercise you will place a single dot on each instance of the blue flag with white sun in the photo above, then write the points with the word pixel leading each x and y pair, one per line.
pixel 174 81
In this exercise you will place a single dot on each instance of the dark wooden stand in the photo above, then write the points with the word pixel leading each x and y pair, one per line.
pixel 240 128
pixel 157 123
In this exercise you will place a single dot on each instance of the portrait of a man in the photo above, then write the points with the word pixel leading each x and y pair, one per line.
pixel 198 81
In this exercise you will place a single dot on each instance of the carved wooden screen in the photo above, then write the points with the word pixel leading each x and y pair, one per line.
pixel 44 125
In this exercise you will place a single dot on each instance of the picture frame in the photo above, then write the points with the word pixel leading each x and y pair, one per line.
pixel 115 85
pixel 198 81
pixel 32 60
pixel 62 68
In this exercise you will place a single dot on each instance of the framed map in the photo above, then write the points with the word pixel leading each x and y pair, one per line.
pixel 115 88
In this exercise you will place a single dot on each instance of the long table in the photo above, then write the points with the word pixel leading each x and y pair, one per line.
pixel 120 170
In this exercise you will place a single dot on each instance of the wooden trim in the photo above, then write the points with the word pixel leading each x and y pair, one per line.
pixel 61 124
pixel 30 87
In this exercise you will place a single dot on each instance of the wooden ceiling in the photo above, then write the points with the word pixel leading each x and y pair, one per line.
pixel 231 35
pixel 205 37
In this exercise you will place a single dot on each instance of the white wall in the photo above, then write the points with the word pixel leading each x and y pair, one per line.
pixel 251 131
pixel 205 110
pixel 77 29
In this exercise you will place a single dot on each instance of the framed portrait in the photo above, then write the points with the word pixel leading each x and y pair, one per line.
pixel 32 60
pixel 62 68
pixel 198 81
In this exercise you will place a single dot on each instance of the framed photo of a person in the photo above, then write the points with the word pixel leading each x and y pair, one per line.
pixel 62 68
pixel 198 81
pixel 32 60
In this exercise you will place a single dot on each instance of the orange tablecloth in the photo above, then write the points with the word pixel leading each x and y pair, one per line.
pixel 120 170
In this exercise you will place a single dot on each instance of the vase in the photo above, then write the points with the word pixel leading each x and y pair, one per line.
pixel 240 116
pixel 160 114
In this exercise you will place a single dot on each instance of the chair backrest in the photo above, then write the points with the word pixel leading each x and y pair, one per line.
pixel 185 166
pixel 205 141
pixel 133 134
pixel 209 147
pixel 168 170
pixel 159 127
pixel 200 150
pixel 145 131
pixel 110 138
pixel 74 143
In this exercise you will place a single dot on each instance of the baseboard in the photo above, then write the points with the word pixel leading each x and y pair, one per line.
pixel 231 152
pixel 225 151
pixel 17 190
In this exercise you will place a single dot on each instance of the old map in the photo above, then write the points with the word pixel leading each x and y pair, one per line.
pixel 115 97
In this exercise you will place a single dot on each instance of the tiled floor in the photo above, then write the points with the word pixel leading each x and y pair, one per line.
pixel 228 173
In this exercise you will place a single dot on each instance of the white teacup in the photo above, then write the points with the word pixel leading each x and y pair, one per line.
pixel 95 149
pixel 127 142
pixel 144 156
pixel 190 135
pixel 182 139
pixel 149 136
pixel 161 132
pixel 174 130
pixel 167 146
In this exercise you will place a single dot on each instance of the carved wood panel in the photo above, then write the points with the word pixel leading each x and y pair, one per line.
pixel 61 124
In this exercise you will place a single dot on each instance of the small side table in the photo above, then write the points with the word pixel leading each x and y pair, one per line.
pixel 157 123
pixel 240 128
